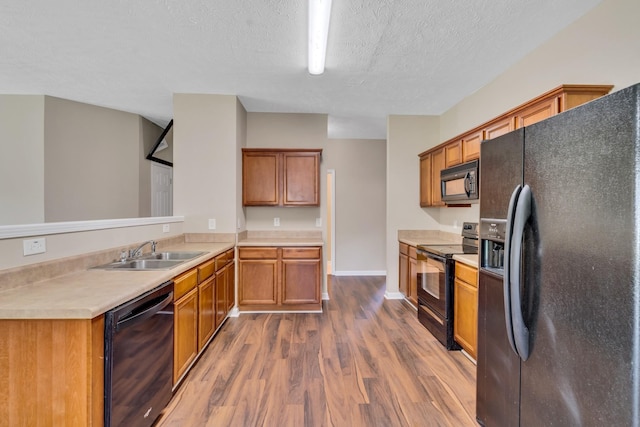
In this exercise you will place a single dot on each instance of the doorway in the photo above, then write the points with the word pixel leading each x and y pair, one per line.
pixel 161 190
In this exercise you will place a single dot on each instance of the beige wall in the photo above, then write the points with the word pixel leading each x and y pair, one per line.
pixel 241 141
pixel 360 204
pixel 407 136
pixel 21 159
pixel 149 133
pixel 91 162
pixel 80 243
pixel 205 158
pixel 602 47
pixel 276 130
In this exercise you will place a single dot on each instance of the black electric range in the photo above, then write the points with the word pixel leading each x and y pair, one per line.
pixel 436 269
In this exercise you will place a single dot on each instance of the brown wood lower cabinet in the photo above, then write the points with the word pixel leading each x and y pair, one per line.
pixel 201 305
pixel 52 372
pixel 279 278
pixel 408 281
pixel 465 317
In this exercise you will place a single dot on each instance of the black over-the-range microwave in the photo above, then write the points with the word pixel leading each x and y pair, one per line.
pixel 459 184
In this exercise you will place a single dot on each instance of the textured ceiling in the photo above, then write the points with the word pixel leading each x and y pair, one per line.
pixel 383 56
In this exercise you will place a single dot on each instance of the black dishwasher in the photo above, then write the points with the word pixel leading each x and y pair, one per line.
pixel 138 363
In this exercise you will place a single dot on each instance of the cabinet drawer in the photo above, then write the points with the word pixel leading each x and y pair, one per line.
pixel 205 270
pixel 301 253
pixel 224 259
pixel 404 249
pixel 467 274
pixel 184 283
pixel 257 253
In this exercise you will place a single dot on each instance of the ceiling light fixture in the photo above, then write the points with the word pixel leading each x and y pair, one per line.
pixel 319 16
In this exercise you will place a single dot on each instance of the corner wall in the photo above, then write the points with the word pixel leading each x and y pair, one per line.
pixel 407 136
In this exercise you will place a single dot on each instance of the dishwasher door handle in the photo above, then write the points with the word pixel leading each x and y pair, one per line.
pixel 155 308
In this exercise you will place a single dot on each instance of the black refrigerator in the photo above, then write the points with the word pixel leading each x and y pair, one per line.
pixel 559 280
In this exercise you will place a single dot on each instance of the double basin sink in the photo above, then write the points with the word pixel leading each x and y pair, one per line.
pixel 153 261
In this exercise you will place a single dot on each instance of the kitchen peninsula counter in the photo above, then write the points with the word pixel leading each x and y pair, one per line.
pixel 428 237
pixel 87 294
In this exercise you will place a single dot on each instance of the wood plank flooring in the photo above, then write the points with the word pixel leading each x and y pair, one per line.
pixel 365 361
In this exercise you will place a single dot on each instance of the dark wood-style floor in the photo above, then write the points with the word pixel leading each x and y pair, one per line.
pixel 365 361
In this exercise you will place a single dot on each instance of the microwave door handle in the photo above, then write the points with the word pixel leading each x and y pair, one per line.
pixel 507 267
pixel 467 184
pixel 520 330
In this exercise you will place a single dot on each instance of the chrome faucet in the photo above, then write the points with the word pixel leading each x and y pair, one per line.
pixel 137 251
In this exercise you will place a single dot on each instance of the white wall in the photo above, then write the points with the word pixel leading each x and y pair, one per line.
pixel 21 159
pixel 205 160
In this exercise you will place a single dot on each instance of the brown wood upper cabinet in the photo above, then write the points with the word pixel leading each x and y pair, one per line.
pixel 466 147
pixel 281 177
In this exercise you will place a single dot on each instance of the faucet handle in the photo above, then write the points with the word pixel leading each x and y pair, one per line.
pixel 153 246
pixel 123 255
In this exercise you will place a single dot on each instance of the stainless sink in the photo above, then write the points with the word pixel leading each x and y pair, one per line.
pixel 142 264
pixel 173 255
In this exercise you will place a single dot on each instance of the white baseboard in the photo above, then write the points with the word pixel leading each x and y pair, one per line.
pixel 393 295
pixel 325 296
pixel 234 312
pixel 360 273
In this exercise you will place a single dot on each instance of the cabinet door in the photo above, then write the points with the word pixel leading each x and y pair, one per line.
pixel 185 333
pixel 425 180
pixel 471 146
pixel 537 112
pixel 301 281
pixel 222 277
pixel 403 279
pixel 499 128
pixel 465 317
pixel 413 276
pixel 258 281
pixel 206 319
pixel 437 164
pixel 453 154
pixel 260 178
pixel 231 287
pixel 301 179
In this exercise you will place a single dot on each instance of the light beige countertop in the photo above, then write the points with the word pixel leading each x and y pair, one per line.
pixel 89 293
pixel 280 238
pixel 428 237
pixel 286 241
pixel 468 259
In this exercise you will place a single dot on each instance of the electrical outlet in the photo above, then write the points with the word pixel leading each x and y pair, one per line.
pixel 238 223
pixel 212 224
pixel 276 222
pixel 166 228
pixel 34 246
pixel 318 222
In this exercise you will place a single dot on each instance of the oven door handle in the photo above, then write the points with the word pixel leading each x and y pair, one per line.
pixel 520 330
pixel 506 285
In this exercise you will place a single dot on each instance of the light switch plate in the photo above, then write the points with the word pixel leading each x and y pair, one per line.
pixel 212 224
pixel 318 222
pixel 166 228
pixel 34 246
pixel 276 222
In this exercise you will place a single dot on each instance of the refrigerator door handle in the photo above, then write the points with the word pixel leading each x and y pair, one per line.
pixel 520 330
pixel 507 267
